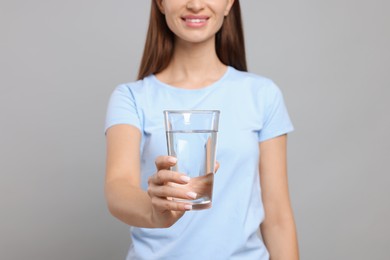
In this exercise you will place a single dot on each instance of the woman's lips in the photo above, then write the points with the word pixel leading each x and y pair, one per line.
pixel 195 21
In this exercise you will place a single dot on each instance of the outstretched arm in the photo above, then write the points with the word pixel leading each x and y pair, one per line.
pixel 125 198
pixel 278 228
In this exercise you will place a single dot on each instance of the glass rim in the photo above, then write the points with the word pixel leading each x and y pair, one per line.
pixel 198 111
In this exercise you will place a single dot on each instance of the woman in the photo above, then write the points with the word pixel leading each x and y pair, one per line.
pixel 194 58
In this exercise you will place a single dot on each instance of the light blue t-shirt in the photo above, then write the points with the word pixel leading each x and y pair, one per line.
pixel 252 111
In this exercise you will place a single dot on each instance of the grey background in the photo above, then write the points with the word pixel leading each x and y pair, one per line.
pixel 60 60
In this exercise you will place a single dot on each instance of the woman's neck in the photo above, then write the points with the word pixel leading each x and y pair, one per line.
pixel 193 66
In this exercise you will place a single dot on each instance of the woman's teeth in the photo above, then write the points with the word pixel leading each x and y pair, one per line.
pixel 196 20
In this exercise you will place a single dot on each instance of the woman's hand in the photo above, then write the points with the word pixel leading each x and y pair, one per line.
pixel 161 190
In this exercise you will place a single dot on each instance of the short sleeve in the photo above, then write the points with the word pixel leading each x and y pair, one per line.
pixel 276 120
pixel 122 108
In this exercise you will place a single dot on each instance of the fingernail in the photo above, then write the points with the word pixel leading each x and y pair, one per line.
pixel 185 178
pixel 191 194
pixel 172 160
pixel 188 207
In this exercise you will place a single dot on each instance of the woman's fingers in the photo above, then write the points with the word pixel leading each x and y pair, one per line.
pixel 216 167
pixel 165 186
pixel 164 176
pixel 165 162
pixel 163 205
pixel 167 191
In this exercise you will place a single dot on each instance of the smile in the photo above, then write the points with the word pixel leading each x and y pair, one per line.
pixel 195 20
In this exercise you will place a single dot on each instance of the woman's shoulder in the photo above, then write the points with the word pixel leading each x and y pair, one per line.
pixel 253 80
pixel 131 85
pixel 134 86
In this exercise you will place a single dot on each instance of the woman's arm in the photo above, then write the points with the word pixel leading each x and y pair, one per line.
pixel 125 198
pixel 278 228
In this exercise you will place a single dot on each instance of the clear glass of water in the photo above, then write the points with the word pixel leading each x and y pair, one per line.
pixel 192 139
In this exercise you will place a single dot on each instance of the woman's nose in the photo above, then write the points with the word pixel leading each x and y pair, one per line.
pixel 195 5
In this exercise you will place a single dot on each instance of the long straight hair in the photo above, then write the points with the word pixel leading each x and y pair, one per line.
pixel 160 41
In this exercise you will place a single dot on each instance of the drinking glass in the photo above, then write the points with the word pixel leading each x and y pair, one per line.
pixel 192 139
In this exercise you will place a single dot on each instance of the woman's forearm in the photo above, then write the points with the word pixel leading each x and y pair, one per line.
pixel 125 199
pixel 281 239
pixel 129 203
pixel 278 228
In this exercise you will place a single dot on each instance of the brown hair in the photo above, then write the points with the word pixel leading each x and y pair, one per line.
pixel 159 45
